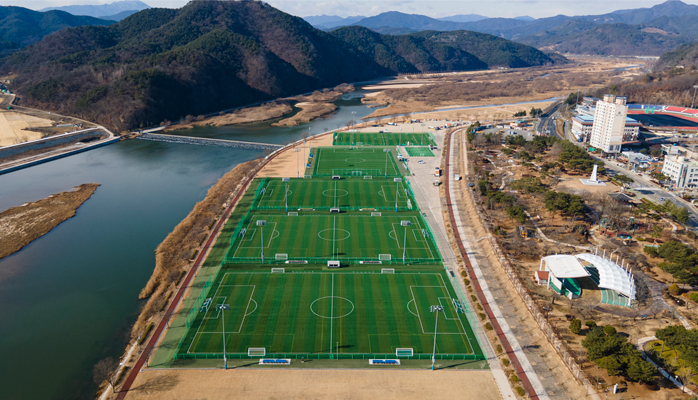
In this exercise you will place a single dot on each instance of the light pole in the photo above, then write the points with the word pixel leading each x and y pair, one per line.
pixel 397 189
pixel 221 308
pixel 353 121
pixel 422 142
pixel 435 309
pixel 404 242
pixel 298 163
pixel 262 223
pixel 386 151
pixel 695 87
pixel 286 180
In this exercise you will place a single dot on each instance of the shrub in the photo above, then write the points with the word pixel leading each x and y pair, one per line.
pixel 505 362
pixel 479 307
pixel 693 296
pixel 590 324
pixel 520 391
pixel 674 289
pixel 466 281
pixel 482 316
pixel 499 348
pixel 488 326
pixel 609 330
pixel 145 333
pixel 514 379
pixel 576 326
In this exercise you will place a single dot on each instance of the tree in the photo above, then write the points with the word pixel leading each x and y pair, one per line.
pixel 657 231
pixel 576 326
pixel 104 371
pixel 674 289
pixel 641 370
pixel 624 180
pixel 590 324
pixel 609 330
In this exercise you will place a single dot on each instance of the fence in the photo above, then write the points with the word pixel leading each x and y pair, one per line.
pixel 328 356
pixel 469 312
pixel 322 260
pixel 548 330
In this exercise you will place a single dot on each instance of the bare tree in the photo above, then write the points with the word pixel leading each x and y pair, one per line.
pixel 104 371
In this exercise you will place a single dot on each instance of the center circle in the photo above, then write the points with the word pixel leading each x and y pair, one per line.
pixel 355 160
pixel 326 305
pixel 335 192
pixel 334 234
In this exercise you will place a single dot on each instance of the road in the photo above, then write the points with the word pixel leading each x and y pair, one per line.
pixel 652 192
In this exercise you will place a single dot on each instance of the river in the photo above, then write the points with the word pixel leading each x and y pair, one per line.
pixel 68 299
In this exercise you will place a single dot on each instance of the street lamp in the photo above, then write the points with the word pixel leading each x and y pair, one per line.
pixel 353 121
pixel 386 151
pixel 435 309
pixel 221 308
pixel 695 87
pixel 262 223
pixel 397 190
pixel 298 163
pixel 404 243
pixel 286 180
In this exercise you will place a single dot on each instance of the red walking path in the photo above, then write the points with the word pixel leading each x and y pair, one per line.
pixel 478 290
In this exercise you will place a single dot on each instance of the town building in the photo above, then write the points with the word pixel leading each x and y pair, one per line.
pixel 582 126
pixel 609 124
pixel 681 166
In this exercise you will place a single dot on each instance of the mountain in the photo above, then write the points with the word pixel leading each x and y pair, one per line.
pixel 102 9
pixel 685 55
pixel 331 21
pixel 463 18
pixel 161 64
pixel 414 22
pixel 492 50
pixel 119 16
pixel 525 18
pixel 655 37
pixel 407 53
pixel 21 27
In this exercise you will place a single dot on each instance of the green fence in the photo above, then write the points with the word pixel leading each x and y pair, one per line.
pixel 328 356
pixel 323 260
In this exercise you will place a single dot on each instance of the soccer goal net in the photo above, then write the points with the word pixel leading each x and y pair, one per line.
pixel 385 257
pixel 256 352
pixel 293 213
pixel 376 214
pixel 368 177
pixel 387 270
pixel 278 270
pixel 404 352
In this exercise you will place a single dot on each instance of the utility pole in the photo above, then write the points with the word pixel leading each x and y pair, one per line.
pixel 261 224
pixel 397 190
pixel 286 180
pixel 435 309
pixel 404 243
pixel 386 151
pixel 222 308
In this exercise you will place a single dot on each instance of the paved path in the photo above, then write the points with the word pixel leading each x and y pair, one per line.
pixel 640 345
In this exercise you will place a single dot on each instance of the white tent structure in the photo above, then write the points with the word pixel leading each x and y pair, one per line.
pixel 616 282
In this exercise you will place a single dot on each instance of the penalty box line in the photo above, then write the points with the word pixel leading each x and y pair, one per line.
pixel 419 316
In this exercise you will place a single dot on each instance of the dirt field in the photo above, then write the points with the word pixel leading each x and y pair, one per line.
pixel 19 226
pixel 13 127
pixel 286 164
pixel 313 384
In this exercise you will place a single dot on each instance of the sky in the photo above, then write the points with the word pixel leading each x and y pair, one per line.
pixel 432 8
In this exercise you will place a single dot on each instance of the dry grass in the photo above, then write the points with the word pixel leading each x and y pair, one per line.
pixel 244 115
pixel 309 111
pixel 173 254
pixel 19 226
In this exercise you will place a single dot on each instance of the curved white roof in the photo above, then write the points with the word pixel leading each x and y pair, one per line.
pixel 565 266
pixel 611 275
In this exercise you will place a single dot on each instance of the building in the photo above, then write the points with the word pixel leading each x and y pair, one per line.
pixel 636 159
pixel 615 281
pixel 609 124
pixel 582 126
pixel 681 166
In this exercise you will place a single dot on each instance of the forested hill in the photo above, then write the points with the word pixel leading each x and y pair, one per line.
pixel 161 64
pixel 20 26
pixel 685 56
pixel 164 64
pixel 430 51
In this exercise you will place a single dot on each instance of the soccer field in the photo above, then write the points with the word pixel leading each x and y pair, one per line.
pixel 374 162
pixel 319 238
pixel 323 194
pixel 382 139
pixel 419 152
pixel 320 314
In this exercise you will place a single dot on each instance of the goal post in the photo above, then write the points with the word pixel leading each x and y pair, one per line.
pixel 387 270
pixel 376 214
pixel 256 351
pixel 293 213
pixel 278 270
pixel 385 257
pixel 404 352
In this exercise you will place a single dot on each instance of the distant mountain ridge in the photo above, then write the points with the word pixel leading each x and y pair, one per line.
pixel 21 27
pixel 100 10
pixel 163 64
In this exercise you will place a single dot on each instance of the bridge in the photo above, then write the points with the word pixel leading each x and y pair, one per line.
pixel 157 137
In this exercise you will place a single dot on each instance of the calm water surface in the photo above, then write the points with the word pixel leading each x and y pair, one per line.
pixel 68 299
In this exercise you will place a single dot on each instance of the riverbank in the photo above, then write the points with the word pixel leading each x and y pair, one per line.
pixel 245 115
pixel 308 112
pixel 21 225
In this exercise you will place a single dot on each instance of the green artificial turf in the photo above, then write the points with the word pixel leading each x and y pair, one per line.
pixel 382 139
pixel 360 315
pixel 419 152
pixel 357 162
pixel 322 194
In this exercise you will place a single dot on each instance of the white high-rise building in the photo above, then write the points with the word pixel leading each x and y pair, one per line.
pixel 609 123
